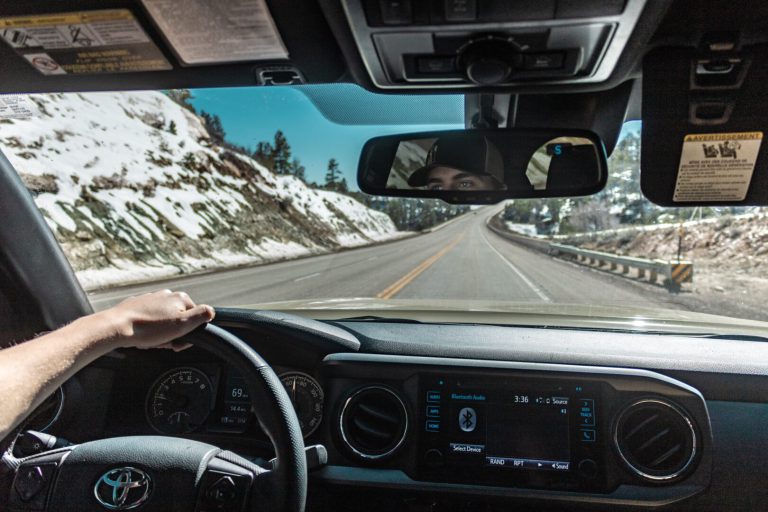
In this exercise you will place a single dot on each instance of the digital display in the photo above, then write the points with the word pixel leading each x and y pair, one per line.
pixel 518 430
pixel 529 432
pixel 510 431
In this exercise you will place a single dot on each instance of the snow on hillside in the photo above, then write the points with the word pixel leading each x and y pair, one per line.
pixel 134 188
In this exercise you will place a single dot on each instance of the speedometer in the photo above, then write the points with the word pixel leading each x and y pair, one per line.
pixel 307 398
pixel 179 401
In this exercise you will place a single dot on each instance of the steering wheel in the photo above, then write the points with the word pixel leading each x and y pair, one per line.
pixel 164 474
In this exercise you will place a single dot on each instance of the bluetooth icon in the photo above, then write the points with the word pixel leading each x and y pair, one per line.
pixel 467 419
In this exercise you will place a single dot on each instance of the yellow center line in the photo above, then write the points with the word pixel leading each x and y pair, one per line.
pixel 395 288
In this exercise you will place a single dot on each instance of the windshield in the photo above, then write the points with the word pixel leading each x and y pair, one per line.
pixel 249 196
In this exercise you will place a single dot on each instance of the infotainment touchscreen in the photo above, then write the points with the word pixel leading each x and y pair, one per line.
pixel 521 429
pixel 476 427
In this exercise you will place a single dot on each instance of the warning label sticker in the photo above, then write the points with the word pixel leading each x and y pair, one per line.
pixel 14 106
pixel 717 166
pixel 218 31
pixel 108 41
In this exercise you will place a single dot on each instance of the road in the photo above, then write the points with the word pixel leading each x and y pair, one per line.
pixel 463 260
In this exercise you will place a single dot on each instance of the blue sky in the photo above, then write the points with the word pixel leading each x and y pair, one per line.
pixel 253 114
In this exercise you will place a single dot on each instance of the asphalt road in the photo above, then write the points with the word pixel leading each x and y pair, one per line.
pixel 463 260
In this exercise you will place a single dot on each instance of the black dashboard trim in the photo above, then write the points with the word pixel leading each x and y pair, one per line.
pixel 320 335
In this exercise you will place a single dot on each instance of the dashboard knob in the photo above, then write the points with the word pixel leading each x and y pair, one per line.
pixel 489 61
pixel 587 468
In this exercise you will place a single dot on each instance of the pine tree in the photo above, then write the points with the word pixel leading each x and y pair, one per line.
pixel 281 155
pixel 298 170
pixel 263 154
pixel 172 127
pixel 332 174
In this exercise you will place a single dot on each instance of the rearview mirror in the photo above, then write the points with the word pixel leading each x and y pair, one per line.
pixel 484 166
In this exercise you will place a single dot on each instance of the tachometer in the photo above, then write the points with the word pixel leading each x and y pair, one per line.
pixel 307 397
pixel 179 401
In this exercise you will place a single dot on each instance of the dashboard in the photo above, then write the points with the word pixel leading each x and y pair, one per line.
pixel 408 417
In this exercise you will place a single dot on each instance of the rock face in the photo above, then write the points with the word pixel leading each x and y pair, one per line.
pixel 134 187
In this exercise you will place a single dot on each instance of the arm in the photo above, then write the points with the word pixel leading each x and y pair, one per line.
pixel 31 371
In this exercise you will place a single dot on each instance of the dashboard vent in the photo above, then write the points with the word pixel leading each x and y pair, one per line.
pixel 374 422
pixel 656 439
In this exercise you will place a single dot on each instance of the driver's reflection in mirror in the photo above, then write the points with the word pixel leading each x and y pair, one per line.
pixel 456 165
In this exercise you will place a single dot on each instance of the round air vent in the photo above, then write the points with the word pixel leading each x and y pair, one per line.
pixel 373 422
pixel 656 440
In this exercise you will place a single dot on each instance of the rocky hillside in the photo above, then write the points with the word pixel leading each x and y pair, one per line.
pixel 134 187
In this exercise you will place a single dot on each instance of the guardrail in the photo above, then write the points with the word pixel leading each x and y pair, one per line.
pixel 674 273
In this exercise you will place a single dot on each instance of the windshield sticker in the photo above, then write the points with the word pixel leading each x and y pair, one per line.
pixel 16 106
pixel 108 41
pixel 218 31
pixel 717 166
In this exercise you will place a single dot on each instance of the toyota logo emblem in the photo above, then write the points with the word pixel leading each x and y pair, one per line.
pixel 123 488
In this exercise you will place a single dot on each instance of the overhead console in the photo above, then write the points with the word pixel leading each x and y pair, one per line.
pixel 586 434
pixel 459 43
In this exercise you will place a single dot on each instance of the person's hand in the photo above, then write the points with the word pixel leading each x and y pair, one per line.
pixel 156 319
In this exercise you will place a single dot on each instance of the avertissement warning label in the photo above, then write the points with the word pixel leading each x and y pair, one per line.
pixel 106 41
pixel 717 166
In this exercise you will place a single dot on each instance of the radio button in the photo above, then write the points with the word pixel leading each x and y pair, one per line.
pixel 587 435
pixel 433 411
pixel 433 426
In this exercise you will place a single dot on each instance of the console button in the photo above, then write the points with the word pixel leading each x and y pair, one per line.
pixel 587 468
pixel 434 458
pixel 433 411
pixel 223 490
pixel 433 426
pixel 29 482
pixel 543 61
pixel 587 435
pixel 436 65
pixel 433 396
pixel 587 412
pixel 460 10
pixel 396 12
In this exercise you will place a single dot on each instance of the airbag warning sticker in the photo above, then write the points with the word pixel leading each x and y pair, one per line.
pixel 717 166
pixel 107 41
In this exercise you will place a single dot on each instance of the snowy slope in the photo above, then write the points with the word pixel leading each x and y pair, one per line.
pixel 134 188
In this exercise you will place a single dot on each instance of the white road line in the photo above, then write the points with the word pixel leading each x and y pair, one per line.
pixel 306 277
pixel 371 258
pixel 543 296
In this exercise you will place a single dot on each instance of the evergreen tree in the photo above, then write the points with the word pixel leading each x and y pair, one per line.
pixel 298 170
pixel 172 127
pixel 281 154
pixel 263 154
pixel 332 175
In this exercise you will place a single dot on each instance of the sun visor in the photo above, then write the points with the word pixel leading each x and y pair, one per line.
pixel 704 121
